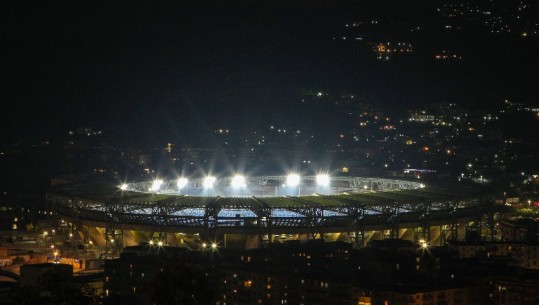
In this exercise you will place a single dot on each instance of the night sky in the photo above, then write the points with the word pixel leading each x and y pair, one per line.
pixel 170 71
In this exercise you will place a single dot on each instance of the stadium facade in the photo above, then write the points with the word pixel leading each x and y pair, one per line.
pixel 251 212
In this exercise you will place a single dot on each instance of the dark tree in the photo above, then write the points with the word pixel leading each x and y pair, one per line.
pixel 26 295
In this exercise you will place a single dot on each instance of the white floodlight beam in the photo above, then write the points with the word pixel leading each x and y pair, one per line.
pixel 238 181
pixel 322 180
pixel 208 182
pixel 182 182
pixel 156 185
pixel 293 180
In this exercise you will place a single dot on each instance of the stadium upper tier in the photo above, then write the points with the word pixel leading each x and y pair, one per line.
pixel 268 186
pixel 344 203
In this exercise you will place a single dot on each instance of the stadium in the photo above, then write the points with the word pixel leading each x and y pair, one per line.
pixel 250 212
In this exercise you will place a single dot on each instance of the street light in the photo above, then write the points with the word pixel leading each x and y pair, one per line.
pixel 423 245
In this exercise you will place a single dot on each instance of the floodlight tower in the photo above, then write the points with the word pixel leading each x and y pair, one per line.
pixel 294 180
pixel 156 184
pixel 182 183
pixel 207 183
pixel 238 184
pixel 238 181
pixel 322 180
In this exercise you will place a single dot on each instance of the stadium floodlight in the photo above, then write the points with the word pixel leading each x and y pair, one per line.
pixel 208 182
pixel 293 180
pixel 238 181
pixel 156 185
pixel 322 180
pixel 182 182
pixel 123 187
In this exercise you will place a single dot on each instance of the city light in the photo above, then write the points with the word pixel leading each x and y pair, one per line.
pixel 293 180
pixel 123 187
pixel 208 182
pixel 238 181
pixel 322 180
pixel 423 245
pixel 182 182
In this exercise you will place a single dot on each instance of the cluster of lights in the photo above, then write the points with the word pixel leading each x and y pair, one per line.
pixel 237 182
pixel 159 243
pixel 213 246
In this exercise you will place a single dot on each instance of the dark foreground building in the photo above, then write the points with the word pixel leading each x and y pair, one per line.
pixel 309 273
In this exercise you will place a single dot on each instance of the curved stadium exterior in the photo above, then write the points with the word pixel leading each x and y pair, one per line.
pixel 266 206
